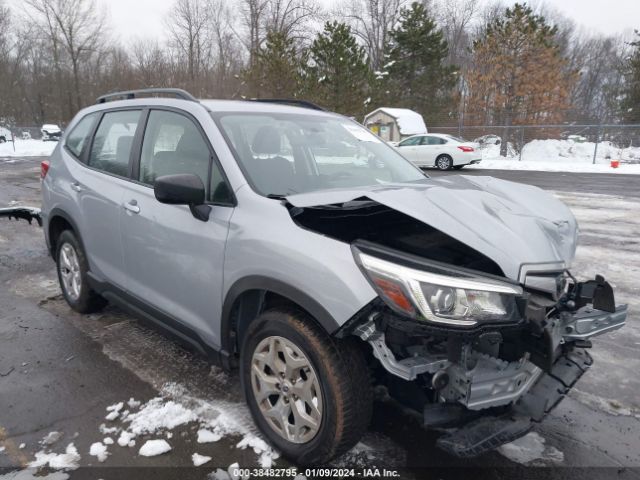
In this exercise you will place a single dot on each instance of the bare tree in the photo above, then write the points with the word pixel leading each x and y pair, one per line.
pixel 455 17
pixel 75 29
pixel 188 25
pixel 371 21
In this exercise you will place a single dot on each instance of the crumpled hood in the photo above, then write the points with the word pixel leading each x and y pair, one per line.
pixel 511 223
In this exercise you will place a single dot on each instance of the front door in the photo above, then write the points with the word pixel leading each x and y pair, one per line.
pixel 174 261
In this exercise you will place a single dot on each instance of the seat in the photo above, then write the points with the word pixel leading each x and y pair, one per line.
pixel 123 151
pixel 273 174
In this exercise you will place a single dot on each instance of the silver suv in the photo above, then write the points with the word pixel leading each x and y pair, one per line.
pixel 295 245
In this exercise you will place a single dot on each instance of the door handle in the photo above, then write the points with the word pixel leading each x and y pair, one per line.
pixel 76 186
pixel 132 206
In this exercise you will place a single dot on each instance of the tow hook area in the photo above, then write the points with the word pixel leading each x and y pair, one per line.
pixel 25 213
pixel 489 432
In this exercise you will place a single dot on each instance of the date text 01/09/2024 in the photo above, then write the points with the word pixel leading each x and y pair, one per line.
pixel 292 473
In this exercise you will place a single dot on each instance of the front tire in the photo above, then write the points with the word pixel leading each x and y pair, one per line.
pixel 444 162
pixel 310 394
pixel 72 266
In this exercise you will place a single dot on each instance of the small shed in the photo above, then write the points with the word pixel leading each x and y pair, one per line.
pixel 395 124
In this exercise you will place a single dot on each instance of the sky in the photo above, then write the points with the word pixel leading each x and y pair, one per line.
pixel 145 18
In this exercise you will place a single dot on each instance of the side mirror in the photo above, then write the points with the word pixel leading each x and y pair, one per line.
pixel 185 189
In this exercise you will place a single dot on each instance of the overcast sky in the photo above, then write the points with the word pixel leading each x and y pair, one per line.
pixel 144 18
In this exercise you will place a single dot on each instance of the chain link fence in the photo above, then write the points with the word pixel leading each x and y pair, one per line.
pixel 584 143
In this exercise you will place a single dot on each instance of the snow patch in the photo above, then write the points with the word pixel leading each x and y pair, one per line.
pixel 69 460
pixel 531 449
pixel 153 448
pixel 99 450
pixel 207 436
pixel 27 148
pixel 51 438
pixel 199 460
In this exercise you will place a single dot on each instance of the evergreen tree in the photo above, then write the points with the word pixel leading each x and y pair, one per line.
pixel 276 69
pixel 518 75
pixel 415 75
pixel 336 71
pixel 631 93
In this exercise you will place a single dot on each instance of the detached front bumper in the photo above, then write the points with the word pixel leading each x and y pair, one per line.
pixel 25 213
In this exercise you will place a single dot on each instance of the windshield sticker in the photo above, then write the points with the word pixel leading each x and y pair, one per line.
pixel 360 133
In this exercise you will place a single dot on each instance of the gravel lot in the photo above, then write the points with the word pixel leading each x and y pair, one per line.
pixel 59 371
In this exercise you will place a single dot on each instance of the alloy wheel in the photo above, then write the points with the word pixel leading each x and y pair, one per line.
pixel 286 389
pixel 69 267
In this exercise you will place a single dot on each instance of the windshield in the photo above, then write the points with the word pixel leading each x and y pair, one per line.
pixel 283 154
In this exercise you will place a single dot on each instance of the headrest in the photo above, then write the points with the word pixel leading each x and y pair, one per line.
pixel 267 141
pixel 191 143
pixel 123 147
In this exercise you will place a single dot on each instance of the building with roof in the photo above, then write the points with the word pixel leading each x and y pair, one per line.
pixel 395 124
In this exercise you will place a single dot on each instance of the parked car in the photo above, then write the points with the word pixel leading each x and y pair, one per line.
pixel 486 140
pixel 315 274
pixel 5 135
pixel 51 132
pixel 439 150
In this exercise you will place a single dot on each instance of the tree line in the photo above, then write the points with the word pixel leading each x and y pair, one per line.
pixel 454 61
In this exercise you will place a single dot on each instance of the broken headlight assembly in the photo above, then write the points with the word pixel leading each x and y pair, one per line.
pixel 454 298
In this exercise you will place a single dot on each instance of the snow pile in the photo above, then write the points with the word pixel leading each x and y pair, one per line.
pixel 27 148
pixel 199 460
pixel 531 449
pixel 175 408
pixel 153 448
pixel 69 460
pixel 562 156
pixel 99 450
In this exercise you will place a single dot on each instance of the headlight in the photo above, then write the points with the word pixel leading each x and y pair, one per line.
pixel 457 299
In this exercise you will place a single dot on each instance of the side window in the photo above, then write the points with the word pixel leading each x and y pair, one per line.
pixel 77 139
pixel 113 141
pixel 435 141
pixel 174 145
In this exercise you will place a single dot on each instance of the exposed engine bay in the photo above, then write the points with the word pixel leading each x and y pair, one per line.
pixel 468 347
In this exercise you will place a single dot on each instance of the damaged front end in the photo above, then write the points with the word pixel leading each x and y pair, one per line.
pixel 478 324
pixel 489 356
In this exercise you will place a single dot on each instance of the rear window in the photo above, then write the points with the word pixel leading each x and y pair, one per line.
pixel 77 139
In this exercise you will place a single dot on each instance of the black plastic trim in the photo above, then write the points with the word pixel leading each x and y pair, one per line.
pixel 257 282
pixel 169 324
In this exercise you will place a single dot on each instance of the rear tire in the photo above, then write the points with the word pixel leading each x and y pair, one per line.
pixel 444 162
pixel 284 353
pixel 72 266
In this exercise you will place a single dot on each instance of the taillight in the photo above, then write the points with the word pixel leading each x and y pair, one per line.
pixel 466 149
pixel 44 168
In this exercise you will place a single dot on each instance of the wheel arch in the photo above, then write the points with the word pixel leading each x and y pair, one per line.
pixel 58 222
pixel 250 296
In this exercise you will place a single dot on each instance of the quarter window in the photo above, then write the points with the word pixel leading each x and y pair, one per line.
pixel 77 139
pixel 113 141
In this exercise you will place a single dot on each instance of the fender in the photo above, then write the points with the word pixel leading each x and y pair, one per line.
pixel 267 284
pixel 58 212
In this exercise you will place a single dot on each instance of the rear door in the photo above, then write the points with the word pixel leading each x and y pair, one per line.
pixel 174 262
pixel 99 190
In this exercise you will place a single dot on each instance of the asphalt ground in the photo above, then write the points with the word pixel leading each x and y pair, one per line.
pixel 60 370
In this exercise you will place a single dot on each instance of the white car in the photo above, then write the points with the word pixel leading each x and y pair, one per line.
pixel 439 150
pixel 5 135
pixel 51 132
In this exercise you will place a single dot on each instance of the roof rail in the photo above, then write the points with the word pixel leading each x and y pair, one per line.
pixel 290 101
pixel 131 94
